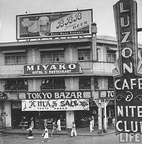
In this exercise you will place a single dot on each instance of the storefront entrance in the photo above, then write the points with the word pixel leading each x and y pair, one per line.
pixel 21 119
pixel 82 118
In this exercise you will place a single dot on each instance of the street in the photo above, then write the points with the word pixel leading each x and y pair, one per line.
pixel 62 139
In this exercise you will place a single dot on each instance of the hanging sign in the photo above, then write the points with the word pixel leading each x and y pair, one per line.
pixel 55 105
pixel 127 82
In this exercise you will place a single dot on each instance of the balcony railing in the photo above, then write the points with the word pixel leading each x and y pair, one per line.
pixel 11 69
pixel 103 68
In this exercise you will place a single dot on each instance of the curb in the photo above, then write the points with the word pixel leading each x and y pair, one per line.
pixel 78 134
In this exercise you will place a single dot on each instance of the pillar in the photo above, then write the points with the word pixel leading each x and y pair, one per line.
pixel 69 119
pixel 99 117
pixel 7 111
pixel 105 117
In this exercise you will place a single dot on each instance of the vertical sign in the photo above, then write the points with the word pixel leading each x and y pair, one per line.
pixel 127 83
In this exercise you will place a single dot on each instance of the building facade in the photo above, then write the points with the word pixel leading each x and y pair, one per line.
pixel 68 78
pixel 47 76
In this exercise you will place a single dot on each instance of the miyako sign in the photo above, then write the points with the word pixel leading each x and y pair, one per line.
pixel 56 68
pixel 127 83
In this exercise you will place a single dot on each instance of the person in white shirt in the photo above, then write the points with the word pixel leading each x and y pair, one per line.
pixel 59 125
pixel 73 131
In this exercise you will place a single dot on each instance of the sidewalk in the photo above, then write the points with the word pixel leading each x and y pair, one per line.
pixel 80 132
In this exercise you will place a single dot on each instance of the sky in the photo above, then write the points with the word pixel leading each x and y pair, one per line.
pixel 103 14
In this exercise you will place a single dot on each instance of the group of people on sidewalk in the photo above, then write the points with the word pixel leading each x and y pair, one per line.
pixel 56 126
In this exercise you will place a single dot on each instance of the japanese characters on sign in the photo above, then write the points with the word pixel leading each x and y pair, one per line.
pixel 65 68
pixel 127 83
pixel 54 24
pixel 61 100
pixel 55 105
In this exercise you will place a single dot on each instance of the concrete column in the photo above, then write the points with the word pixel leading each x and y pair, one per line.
pixel 7 111
pixel 99 117
pixel 105 118
pixel 69 119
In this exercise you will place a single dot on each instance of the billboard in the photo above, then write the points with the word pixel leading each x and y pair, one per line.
pixel 55 24
pixel 127 82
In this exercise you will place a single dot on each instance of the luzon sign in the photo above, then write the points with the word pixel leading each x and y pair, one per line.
pixel 127 83
pixel 65 68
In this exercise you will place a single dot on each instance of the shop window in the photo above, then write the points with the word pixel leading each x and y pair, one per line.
pixel 52 56
pixel 83 55
pixel 19 84
pixel 15 58
pixel 55 83
pixel 96 83
pixel 84 83
pixel 110 83
pixel 111 56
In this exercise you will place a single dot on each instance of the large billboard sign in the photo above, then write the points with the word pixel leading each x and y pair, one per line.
pixel 55 24
pixel 127 82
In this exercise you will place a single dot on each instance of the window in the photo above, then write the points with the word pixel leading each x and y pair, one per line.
pixel 55 83
pixel 15 58
pixel 19 84
pixel 52 56
pixel 96 83
pixel 84 83
pixel 111 56
pixel 83 55
pixel 110 83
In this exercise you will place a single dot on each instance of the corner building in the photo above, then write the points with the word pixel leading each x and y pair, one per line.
pixel 60 77
pixel 37 75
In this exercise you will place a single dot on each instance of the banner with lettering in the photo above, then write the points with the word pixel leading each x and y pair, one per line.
pixel 55 105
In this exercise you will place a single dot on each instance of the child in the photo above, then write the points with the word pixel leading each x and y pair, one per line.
pixel 73 131
pixel 46 135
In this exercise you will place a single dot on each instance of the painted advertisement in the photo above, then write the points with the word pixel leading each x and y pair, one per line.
pixel 55 105
pixel 127 82
pixel 54 24
pixel 63 68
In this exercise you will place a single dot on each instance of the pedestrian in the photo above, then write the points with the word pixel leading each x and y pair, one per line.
pixel 30 134
pixel 73 131
pixel 54 127
pixel 59 125
pixel 113 121
pixel 92 124
pixel 45 134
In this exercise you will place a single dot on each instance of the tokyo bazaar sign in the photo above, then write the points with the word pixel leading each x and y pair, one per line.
pixel 127 82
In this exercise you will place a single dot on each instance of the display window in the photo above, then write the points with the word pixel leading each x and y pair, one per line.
pixel 82 118
pixel 21 119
